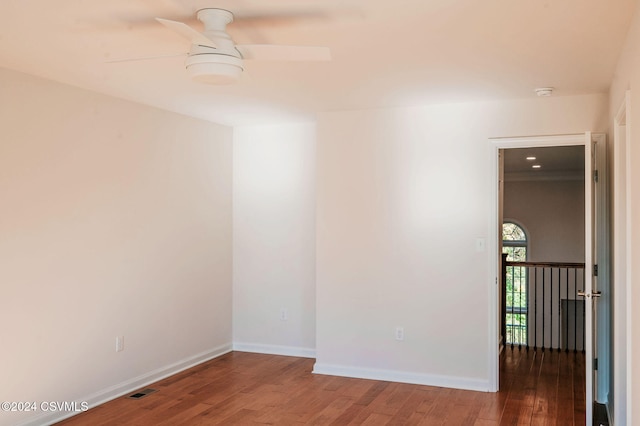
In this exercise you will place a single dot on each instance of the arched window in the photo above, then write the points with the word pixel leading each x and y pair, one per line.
pixel 514 244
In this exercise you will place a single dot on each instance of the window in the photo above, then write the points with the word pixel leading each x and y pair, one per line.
pixel 514 244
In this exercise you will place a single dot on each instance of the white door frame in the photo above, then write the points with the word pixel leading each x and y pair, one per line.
pixel 495 144
pixel 621 261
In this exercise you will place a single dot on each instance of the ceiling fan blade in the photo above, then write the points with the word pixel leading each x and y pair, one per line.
pixel 145 58
pixel 274 52
pixel 186 31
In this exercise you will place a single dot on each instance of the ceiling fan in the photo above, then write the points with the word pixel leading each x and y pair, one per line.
pixel 214 57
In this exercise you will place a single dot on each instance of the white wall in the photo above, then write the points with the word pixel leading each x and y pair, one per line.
pixel 627 77
pixel 115 221
pixel 402 198
pixel 552 211
pixel 274 239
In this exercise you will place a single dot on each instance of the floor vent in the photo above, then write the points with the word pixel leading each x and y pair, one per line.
pixel 142 393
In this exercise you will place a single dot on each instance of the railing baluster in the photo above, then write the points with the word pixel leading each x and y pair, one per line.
pixel 525 318
pixel 566 331
pixel 512 284
pixel 514 324
pixel 544 302
pixel 519 307
pixel 527 269
pixel 559 311
pixel 583 314
pixel 575 311
pixel 550 306
pixel 535 308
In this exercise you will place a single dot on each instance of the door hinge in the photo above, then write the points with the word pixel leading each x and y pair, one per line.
pixel 595 175
pixel 595 270
pixel 595 363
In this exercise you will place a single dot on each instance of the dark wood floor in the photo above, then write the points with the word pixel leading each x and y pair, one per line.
pixel 537 388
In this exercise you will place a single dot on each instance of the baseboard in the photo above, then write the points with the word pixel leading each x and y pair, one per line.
pixel 402 377
pixel 131 385
pixel 274 349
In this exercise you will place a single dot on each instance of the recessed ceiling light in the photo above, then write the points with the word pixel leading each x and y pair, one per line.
pixel 531 158
pixel 536 166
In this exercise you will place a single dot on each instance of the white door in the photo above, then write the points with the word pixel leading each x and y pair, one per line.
pixel 591 230
pixel 600 299
pixel 588 277
pixel 597 292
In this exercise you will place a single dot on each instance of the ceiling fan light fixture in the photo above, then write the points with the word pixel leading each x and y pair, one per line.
pixel 214 58
pixel 213 68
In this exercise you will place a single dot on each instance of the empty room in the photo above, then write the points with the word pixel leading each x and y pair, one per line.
pixel 295 212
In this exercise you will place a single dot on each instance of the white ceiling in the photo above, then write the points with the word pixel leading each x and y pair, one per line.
pixel 557 161
pixel 384 53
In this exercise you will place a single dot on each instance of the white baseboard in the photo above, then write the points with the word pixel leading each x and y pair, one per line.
pixel 402 377
pixel 131 385
pixel 274 349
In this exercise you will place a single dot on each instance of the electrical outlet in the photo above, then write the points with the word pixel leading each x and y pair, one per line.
pixel 400 333
pixel 119 343
pixel 284 314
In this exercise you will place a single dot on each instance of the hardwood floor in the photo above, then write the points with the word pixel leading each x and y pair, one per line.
pixel 537 388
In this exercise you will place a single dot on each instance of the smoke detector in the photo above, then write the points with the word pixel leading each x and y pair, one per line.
pixel 544 91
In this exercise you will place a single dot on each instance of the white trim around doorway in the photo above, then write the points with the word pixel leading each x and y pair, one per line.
pixel 495 144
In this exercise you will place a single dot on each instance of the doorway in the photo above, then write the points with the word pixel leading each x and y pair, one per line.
pixel 543 197
pixel 497 188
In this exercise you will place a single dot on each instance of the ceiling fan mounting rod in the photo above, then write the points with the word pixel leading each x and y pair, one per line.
pixel 215 23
